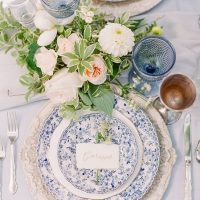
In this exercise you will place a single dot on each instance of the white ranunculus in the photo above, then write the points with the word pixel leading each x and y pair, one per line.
pixel 97 75
pixel 63 87
pixel 44 21
pixel 116 39
pixel 46 60
pixel 47 37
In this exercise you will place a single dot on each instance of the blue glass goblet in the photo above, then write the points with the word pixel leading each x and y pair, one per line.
pixel 153 58
pixel 62 10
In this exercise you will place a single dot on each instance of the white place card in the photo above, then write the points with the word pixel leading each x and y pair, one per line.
pixel 97 156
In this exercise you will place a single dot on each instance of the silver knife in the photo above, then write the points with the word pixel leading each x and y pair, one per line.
pixel 188 157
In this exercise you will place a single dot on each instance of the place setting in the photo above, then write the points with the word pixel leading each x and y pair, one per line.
pixel 96 137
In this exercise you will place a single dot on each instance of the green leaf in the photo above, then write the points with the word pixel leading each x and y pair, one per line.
pixel 125 17
pixel 31 65
pixel 85 98
pixel 94 90
pixel 74 103
pixel 26 80
pixel 71 56
pixel 125 64
pixel 86 87
pixel 67 111
pixel 72 69
pixel 81 69
pixel 109 65
pixel 87 32
pixel 60 28
pixel 68 32
pixel 82 47
pixel 86 64
pixel 98 47
pixel 104 102
pixel 89 51
pixel 90 59
pixel 76 49
pixel 115 59
pixel 73 63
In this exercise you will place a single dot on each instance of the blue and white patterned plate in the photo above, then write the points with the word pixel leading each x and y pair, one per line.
pixel 82 182
pixel 139 185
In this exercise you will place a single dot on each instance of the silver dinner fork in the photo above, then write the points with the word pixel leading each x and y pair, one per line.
pixel 12 135
pixel 2 156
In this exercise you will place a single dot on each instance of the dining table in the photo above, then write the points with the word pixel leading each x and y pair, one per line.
pixel 181 22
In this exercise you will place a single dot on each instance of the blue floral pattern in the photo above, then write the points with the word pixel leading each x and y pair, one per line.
pixel 148 170
pixel 84 131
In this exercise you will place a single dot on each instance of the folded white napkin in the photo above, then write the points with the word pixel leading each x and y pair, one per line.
pixel 97 156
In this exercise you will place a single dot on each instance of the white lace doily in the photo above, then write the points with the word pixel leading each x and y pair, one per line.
pixel 167 158
pixel 133 7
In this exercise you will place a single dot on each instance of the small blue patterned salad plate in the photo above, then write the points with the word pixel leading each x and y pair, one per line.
pixel 131 129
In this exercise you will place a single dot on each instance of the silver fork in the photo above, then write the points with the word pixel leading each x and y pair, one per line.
pixel 2 156
pixel 12 135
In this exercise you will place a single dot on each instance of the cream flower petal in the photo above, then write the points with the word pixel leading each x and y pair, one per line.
pixel 47 37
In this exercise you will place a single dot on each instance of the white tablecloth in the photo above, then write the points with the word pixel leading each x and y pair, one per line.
pixel 182 29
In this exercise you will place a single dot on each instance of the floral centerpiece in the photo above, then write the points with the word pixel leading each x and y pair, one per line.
pixel 75 64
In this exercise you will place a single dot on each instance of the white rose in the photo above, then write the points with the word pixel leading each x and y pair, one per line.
pixel 63 87
pixel 46 60
pixel 97 75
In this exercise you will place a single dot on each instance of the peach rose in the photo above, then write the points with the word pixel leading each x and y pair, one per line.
pixel 97 75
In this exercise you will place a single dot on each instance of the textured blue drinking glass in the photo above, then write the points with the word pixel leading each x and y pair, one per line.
pixel 153 58
pixel 60 9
